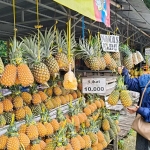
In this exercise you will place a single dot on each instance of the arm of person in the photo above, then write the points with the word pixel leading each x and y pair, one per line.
pixel 144 112
pixel 132 83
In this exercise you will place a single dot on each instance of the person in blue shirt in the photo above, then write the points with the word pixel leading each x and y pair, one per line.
pixel 138 85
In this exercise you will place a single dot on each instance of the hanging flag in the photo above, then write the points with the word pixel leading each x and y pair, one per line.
pixel 98 10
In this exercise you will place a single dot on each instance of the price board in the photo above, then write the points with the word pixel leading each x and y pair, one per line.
pixel 110 43
pixel 147 51
pixel 93 85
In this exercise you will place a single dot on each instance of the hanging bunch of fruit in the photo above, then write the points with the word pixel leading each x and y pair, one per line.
pixel 120 93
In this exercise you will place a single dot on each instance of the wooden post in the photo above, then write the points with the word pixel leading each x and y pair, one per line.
pixel 115 143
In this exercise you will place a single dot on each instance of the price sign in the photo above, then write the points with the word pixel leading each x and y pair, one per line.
pixel 93 85
pixel 147 51
pixel 110 43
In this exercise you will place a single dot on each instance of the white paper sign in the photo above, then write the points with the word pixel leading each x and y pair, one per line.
pixel 147 51
pixel 93 85
pixel 110 43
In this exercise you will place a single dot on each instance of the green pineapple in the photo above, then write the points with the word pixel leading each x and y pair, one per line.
pixel 47 41
pixel 115 55
pixel 2 121
pixel 8 117
pixel 34 57
pixel 112 134
pixel 107 136
pixel 36 109
pixel 112 66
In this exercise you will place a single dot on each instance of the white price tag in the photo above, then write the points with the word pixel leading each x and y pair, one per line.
pixel 93 85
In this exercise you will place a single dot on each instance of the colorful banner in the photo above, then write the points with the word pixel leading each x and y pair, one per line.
pixel 98 10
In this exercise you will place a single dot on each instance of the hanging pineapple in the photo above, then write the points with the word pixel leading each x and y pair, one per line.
pixel 88 53
pixel 34 57
pixel 127 56
pixel 47 41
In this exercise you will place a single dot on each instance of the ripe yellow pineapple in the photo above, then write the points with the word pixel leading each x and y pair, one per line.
pixel 55 124
pixel 20 114
pixel 115 55
pixel 36 147
pixel 36 99
pixel 41 129
pixel 43 96
pixel 82 142
pixel 24 75
pixel 112 66
pixel 7 105
pixel 87 140
pixel 28 110
pixel 23 139
pixel 18 102
pixel 42 145
pixel 39 69
pixel 1 108
pixel 49 91
pixel 9 75
pixel 57 90
pixel 13 143
pixel 102 63
pixel 107 58
pixel 26 97
pixel 49 104
pixel 125 98
pixel 105 125
pixel 3 139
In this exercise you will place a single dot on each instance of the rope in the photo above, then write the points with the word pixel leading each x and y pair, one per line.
pixel 14 16
pixel 38 26
pixel 90 36
pixel 69 39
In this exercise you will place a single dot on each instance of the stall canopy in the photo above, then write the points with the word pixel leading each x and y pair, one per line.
pixel 130 18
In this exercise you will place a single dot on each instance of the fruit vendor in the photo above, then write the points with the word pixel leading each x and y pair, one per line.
pixel 138 85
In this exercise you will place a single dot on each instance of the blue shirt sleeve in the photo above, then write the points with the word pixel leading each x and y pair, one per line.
pixel 145 113
pixel 132 83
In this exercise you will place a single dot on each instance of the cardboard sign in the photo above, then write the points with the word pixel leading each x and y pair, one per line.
pixel 110 43
pixel 147 51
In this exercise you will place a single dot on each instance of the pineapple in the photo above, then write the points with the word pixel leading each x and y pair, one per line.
pixel 127 56
pixel 18 102
pixel 112 66
pixel 102 63
pixel 13 143
pixel 7 105
pixel 41 129
pixel 26 97
pixel 3 139
pixel 47 41
pixel 1 66
pixel 2 121
pixel 113 97
pixel 36 109
pixel 125 98
pixel 20 114
pixel 61 55
pixel 23 139
pixel 43 96
pixel 105 125
pixel 9 75
pixel 107 58
pixel 8 116
pixel 34 57
pixel 115 55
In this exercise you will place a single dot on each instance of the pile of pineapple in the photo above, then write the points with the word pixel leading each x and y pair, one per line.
pixel 87 125
pixel 91 53
pixel 120 93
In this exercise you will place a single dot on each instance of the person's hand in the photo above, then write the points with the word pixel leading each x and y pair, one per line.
pixel 120 69
pixel 132 110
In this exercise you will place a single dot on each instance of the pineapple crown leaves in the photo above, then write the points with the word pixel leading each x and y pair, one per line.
pixel 47 41
pixel 29 119
pixel 125 50
pixel 73 44
pixel 61 40
pixel 93 126
pixel 30 49
pixel 60 115
pixel 15 54
pixel 85 49
pixel 71 130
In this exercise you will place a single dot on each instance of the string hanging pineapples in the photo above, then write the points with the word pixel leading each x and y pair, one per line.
pixel 31 54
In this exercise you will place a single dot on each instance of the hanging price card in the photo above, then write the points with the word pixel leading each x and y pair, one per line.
pixel 93 85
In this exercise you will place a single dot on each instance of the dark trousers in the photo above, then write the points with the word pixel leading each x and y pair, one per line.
pixel 142 143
